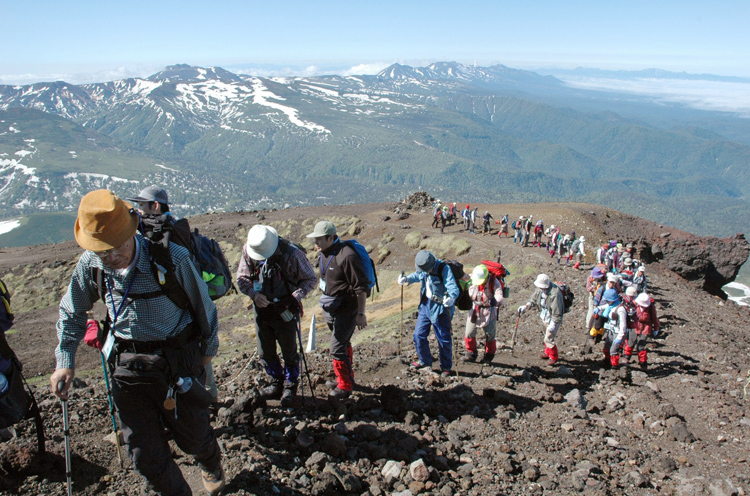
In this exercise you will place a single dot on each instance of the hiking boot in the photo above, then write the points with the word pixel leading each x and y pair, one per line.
pixel 644 365
pixel 488 357
pixel 543 356
pixel 445 373
pixel 551 361
pixel 273 390
pixel 290 391
pixel 339 394
pixel 332 384
pixel 469 356
pixel 214 481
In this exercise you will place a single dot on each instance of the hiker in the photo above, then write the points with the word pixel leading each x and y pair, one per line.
pixel 549 299
pixel 550 233
pixel 437 297
pixel 156 343
pixel 626 271
pixel 452 214
pixel 443 219
pixel 6 322
pixel 646 324
pixel 563 249
pixel 639 280
pixel 538 232
pixel 153 202
pixel 486 226
pixel 504 226
pixel 594 282
pixel 601 255
pixel 527 226
pixel 577 250
pixel 345 289
pixel 466 215
pixel 437 214
pixel 517 229
pixel 486 294
pixel 473 219
pixel 276 275
pixel 614 309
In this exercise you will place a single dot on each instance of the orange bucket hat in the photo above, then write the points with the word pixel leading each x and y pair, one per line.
pixel 104 221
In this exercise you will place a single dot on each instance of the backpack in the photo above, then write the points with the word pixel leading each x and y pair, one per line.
pixel 498 270
pixel 367 264
pixel 6 322
pixel 17 402
pixel 205 252
pixel 567 294
pixel 463 302
pixel 212 265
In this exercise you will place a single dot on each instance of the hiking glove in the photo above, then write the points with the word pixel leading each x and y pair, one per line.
pixel 521 310
pixel 401 279
pixel 448 301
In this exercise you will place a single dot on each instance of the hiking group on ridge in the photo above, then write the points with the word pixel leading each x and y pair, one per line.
pixel 161 325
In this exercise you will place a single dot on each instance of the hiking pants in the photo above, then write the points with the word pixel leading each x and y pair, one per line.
pixel 611 345
pixel 442 225
pixel 637 342
pixel 270 332
pixel 342 329
pixel 489 332
pixel 516 235
pixel 590 314
pixel 143 418
pixel 550 331
pixel 442 328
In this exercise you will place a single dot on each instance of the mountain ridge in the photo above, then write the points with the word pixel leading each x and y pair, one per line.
pixel 447 125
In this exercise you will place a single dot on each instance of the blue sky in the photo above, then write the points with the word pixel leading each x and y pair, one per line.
pixel 84 41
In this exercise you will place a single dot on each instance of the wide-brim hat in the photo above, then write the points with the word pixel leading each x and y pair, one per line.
pixel 542 281
pixel 104 221
pixel 611 296
pixel 262 242
pixel 424 261
pixel 631 291
pixel 597 272
pixel 323 228
pixel 643 300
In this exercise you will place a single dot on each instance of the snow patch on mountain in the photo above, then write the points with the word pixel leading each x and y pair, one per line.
pixel 261 96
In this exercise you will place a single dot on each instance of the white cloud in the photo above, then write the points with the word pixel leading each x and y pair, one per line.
pixel 362 69
pixel 699 94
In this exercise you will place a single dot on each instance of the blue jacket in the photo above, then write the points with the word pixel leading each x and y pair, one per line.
pixel 441 285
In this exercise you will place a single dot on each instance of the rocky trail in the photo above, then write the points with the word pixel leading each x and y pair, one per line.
pixel 515 426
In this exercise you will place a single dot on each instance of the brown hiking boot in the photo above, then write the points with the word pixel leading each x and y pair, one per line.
pixel 488 357
pixel 215 481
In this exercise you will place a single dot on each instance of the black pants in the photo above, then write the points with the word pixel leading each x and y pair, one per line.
pixel 270 332
pixel 140 403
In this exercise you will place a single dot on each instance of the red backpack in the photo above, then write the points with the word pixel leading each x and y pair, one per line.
pixel 498 270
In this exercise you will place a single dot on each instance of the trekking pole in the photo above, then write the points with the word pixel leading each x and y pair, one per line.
pixel 401 328
pixel 66 432
pixel 304 360
pixel 112 409
pixel 513 337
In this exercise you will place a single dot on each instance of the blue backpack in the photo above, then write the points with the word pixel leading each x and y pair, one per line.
pixel 367 264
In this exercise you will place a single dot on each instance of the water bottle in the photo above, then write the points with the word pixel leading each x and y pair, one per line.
pixel 3 384
pixel 193 392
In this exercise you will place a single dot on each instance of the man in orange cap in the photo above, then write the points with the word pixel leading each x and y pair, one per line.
pixel 151 342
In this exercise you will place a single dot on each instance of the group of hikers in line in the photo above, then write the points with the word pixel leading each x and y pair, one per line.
pixel 566 247
pixel 152 340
